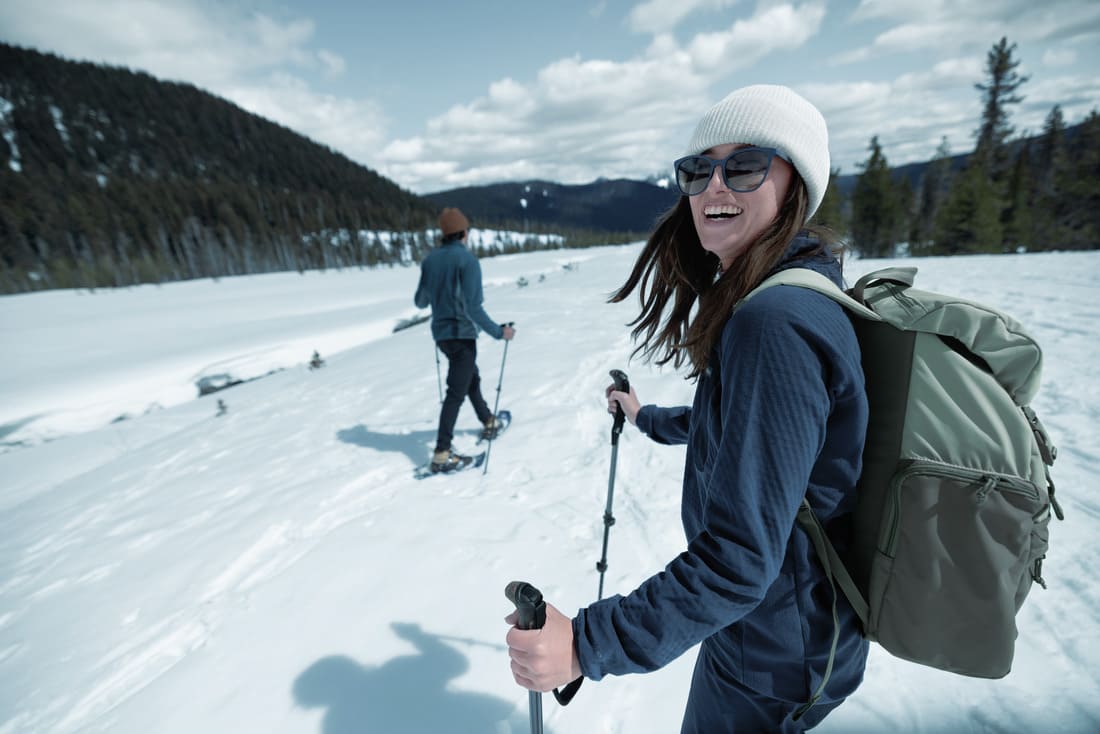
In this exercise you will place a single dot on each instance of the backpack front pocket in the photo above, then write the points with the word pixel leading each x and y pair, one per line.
pixel 955 551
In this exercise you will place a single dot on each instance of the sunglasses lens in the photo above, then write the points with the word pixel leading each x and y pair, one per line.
pixel 693 174
pixel 746 170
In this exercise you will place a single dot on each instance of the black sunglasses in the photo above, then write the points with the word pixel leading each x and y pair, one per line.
pixel 743 170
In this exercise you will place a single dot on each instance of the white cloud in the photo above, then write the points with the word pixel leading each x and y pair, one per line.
pixel 583 118
pixel 854 56
pixel 909 114
pixel 914 36
pixel 510 94
pixel 1056 57
pixel 1076 95
pixel 404 151
pixel 577 120
pixel 193 40
pixel 597 10
pixel 892 9
pixel 279 41
pixel 661 16
pixel 783 27
pixel 251 59
pixel 354 128
pixel 333 64
pixel 948 27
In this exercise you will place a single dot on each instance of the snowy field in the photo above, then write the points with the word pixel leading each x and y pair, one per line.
pixel 276 568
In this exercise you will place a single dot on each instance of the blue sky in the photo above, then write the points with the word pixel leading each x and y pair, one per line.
pixel 437 95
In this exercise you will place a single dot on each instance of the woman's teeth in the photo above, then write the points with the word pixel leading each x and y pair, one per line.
pixel 721 212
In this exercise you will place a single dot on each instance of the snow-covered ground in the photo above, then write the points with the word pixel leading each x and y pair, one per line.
pixel 277 568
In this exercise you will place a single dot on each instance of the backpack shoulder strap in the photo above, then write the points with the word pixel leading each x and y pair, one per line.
pixel 836 574
pixel 807 519
pixel 815 281
pixel 806 278
pixel 835 571
pixel 830 559
pixel 904 277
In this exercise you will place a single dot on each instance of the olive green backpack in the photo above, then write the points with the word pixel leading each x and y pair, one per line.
pixel 954 500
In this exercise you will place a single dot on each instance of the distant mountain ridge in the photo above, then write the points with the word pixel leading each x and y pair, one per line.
pixel 619 205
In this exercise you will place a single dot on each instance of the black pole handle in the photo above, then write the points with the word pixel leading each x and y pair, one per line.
pixel 622 384
pixel 529 604
pixel 532 615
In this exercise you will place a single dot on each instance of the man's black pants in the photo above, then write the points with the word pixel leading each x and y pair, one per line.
pixel 463 381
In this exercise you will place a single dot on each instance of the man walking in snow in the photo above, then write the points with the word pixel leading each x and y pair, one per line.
pixel 450 282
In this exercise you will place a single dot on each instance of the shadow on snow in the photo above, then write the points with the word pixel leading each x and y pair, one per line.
pixel 409 694
pixel 416 445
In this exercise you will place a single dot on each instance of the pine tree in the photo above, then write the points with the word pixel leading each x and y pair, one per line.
pixel 906 211
pixel 876 208
pixel 970 219
pixel 974 217
pixel 1019 225
pixel 1051 149
pixel 934 187
pixel 1052 175
pixel 998 93
pixel 829 214
pixel 1082 188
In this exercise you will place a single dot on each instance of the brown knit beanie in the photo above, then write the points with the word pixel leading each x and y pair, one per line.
pixel 452 221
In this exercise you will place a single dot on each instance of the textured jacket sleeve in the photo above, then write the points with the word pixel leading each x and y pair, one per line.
pixel 755 468
pixel 473 295
pixel 664 425
pixel 422 299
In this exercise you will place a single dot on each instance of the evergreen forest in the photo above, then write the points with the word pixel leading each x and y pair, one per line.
pixel 1010 194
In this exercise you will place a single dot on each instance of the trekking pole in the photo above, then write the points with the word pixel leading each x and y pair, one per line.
pixel 532 615
pixel 496 404
pixel 622 384
pixel 438 374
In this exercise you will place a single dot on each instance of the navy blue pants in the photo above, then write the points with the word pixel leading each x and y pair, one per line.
pixel 717 706
pixel 463 381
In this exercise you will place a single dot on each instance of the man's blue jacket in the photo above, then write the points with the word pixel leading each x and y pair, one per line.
pixel 450 282
pixel 779 414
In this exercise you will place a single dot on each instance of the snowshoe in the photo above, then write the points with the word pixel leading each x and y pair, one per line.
pixel 449 463
pixel 496 426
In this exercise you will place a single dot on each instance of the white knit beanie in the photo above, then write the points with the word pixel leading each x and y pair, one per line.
pixel 771 116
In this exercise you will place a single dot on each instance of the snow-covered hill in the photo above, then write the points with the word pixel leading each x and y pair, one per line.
pixel 277 569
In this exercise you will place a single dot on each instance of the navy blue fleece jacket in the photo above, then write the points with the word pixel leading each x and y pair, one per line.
pixel 780 413
pixel 450 282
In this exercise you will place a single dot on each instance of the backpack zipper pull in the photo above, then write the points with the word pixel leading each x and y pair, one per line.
pixel 1037 572
pixel 987 486
pixel 1047 449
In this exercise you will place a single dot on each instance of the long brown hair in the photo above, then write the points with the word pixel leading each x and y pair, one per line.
pixel 674 267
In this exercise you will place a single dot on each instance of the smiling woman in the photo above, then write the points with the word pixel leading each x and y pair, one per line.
pixel 733 209
pixel 779 417
pixel 749 214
